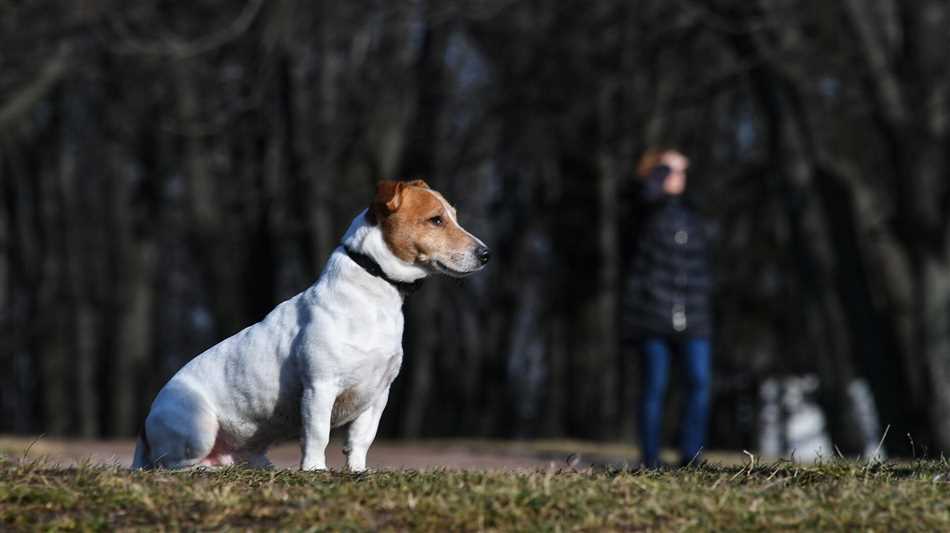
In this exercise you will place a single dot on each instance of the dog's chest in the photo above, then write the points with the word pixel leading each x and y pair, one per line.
pixel 363 386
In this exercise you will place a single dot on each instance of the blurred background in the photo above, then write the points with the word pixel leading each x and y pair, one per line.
pixel 169 171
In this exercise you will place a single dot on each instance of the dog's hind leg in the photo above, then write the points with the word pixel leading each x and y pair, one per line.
pixel 182 429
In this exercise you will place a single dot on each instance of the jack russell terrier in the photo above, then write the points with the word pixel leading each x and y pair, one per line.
pixel 323 358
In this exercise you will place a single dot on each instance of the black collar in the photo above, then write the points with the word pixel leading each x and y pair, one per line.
pixel 370 265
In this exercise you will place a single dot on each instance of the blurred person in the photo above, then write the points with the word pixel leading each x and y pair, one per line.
pixel 667 308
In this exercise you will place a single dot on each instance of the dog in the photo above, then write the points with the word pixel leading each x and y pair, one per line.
pixel 322 359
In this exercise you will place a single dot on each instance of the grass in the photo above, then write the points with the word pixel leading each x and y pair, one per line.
pixel 837 495
pixel 601 453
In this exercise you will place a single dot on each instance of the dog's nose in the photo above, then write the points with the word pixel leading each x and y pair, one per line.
pixel 483 254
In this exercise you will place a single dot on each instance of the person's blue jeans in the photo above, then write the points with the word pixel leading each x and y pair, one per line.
pixel 696 355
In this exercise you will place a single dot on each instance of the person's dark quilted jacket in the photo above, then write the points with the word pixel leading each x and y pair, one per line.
pixel 668 290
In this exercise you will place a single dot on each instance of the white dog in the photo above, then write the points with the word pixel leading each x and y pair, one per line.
pixel 321 359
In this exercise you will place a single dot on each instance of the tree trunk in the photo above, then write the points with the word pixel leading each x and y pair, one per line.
pixel 420 352
pixel 134 321
pixel 208 226
pixel 935 326
pixel 608 289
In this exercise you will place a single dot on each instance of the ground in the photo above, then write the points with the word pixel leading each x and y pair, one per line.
pixel 530 487
pixel 465 454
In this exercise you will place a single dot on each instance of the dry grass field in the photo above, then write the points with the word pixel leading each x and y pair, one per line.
pixel 519 493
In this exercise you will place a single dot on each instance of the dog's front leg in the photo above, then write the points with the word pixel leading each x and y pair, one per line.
pixel 317 408
pixel 361 433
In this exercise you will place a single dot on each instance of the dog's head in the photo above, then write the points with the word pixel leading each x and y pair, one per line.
pixel 420 227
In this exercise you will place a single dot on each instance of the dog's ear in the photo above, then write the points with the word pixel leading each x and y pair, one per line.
pixel 387 199
pixel 418 183
pixel 389 195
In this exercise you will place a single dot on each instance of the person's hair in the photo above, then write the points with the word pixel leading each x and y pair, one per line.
pixel 650 159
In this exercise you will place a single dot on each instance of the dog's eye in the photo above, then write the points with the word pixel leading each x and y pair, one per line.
pixel 436 221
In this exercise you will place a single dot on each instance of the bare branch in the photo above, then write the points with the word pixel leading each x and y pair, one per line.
pixel 886 85
pixel 22 102
pixel 183 49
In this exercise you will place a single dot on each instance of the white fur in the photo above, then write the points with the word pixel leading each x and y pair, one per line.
pixel 369 239
pixel 321 359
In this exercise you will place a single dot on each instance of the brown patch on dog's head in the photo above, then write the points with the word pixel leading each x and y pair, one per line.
pixel 389 197
pixel 420 227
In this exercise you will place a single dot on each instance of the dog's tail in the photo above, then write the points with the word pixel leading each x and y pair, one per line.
pixel 142 460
